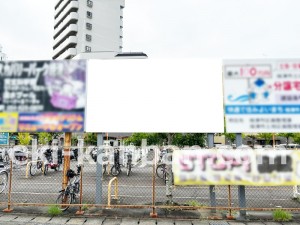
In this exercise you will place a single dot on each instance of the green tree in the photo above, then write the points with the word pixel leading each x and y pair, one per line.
pixel 266 136
pixel 166 138
pixel 136 139
pixel 288 136
pixel 44 138
pixel 90 138
pixel 74 141
pixel 189 139
pixel 230 136
pixel 253 138
pixel 24 138
pixel 296 138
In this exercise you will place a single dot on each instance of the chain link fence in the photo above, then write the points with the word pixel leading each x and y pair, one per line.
pixel 143 179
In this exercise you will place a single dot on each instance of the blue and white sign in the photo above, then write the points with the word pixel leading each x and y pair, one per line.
pixel 262 95
pixel 4 138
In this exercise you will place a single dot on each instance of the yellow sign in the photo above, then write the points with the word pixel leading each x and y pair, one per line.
pixel 8 122
pixel 236 167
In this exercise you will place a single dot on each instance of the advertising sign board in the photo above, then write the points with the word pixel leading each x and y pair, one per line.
pixel 262 95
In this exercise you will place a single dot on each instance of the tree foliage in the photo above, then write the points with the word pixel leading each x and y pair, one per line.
pixel 24 138
pixel 167 138
pixel 90 138
pixel 266 136
pixel 189 139
pixel 288 136
pixel 296 138
pixel 44 138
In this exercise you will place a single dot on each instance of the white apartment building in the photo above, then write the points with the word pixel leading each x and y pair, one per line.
pixel 2 54
pixel 87 26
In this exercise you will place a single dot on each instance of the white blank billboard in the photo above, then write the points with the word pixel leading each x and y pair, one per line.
pixel 155 95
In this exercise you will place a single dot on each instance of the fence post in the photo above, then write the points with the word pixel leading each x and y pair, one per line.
pixel 67 145
pixel 9 209
pixel 153 214
pixel 241 188
pixel 212 192
pixel 98 197
pixel 169 177
pixel 80 163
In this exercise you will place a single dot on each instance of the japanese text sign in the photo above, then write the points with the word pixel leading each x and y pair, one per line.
pixel 262 95
pixel 48 94
pixel 236 167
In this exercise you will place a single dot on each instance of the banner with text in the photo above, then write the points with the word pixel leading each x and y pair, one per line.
pixel 262 95
pixel 236 167
pixel 54 92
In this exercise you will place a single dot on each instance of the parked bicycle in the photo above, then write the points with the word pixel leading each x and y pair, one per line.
pixel 116 168
pixel 128 162
pixel 35 166
pixel 50 162
pixel 70 194
pixel 3 175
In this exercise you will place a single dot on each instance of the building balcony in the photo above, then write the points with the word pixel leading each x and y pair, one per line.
pixel 72 7
pixel 68 54
pixel 70 30
pixel 72 18
pixel 57 3
pixel 61 6
pixel 70 41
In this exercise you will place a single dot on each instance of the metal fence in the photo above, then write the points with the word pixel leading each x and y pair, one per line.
pixel 35 182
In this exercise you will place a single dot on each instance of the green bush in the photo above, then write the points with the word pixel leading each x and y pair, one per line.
pixel 281 215
pixel 194 203
pixel 54 210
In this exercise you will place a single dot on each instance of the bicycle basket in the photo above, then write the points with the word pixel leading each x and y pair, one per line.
pixel 71 173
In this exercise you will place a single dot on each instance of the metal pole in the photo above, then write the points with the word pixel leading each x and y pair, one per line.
pixel 80 212
pixel 241 188
pixel 273 141
pixel 230 217
pixel 212 193
pixel 98 198
pixel 80 163
pixel 67 145
pixel 153 214
pixel 8 209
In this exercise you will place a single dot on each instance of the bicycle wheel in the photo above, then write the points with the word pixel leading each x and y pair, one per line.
pixel 66 198
pixel 39 165
pixel 33 169
pixel 160 171
pixel 57 168
pixel 45 169
pixel 3 180
pixel 128 169
pixel 103 170
pixel 114 171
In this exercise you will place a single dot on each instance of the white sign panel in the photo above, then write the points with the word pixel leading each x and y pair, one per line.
pixel 155 95
pixel 262 95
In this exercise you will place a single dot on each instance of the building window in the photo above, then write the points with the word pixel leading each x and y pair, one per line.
pixel 88 26
pixel 88 49
pixel 89 14
pixel 88 37
pixel 89 3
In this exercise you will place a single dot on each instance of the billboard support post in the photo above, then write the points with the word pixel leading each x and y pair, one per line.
pixel 241 188
pixel 212 193
pixel 99 162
